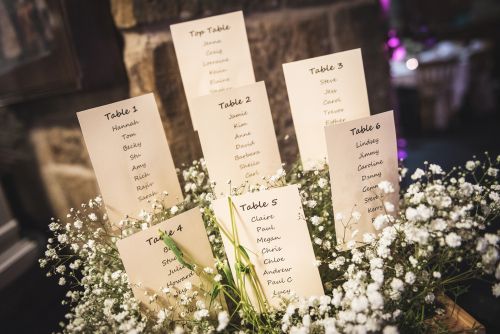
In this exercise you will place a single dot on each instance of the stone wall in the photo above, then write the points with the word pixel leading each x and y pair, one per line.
pixel 58 174
pixel 278 31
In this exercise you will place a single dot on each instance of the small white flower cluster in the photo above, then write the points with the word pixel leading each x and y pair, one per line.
pixel 391 284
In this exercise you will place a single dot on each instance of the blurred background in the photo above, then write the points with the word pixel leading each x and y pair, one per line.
pixel 436 63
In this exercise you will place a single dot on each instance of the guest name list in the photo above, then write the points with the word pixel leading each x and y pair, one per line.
pixel 324 91
pixel 271 224
pixel 130 155
pixel 237 136
pixel 149 262
pixel 361 154
pixel 213 55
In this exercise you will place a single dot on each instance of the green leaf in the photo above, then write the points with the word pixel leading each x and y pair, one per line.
pixel 229 276
pixel 173 247
pixel 214 293
pixel 244 252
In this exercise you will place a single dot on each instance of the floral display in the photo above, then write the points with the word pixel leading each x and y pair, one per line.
pixel 443 236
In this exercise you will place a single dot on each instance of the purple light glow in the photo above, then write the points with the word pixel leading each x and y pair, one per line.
pixel 385 5
pixel 402 154
pixel 393 42
pixel 399 53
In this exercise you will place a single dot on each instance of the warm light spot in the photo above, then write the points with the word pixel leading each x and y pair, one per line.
pixel 412 64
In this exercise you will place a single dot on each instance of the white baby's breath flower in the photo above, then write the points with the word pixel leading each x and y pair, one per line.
pixel 377 275
pixel 390 330
pixel 389 207
pixel 223 318
pixel 453 240
pixel 410 278
pixel 356 215
pixel 429 298
pixel 92 217
pixel 386 187
pixel 417 174
pixel 322 182
pixel 492 171
pixel 495 289
pixel 470 165
pixel 78 224
pixel 62 238
pixel 435 169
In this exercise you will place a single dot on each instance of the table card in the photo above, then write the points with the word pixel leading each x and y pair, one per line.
pixel 237 136
pixel 130 155
pixel 213 55
pixel 322 91
pixel 361 154
pixel 151 266
pixel 272 226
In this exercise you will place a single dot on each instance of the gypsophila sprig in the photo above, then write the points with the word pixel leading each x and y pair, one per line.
pixel 443 236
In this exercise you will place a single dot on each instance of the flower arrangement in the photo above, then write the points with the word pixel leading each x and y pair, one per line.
pixel 442 237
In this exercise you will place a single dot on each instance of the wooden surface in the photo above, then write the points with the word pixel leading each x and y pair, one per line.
pixel 457 319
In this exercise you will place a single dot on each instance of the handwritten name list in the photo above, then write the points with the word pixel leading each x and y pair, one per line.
pixel 213 55
pixel 151 266
pixel 323 91
pixel 271 225
pixel 130 155
pixel 361 154
pixel 237 136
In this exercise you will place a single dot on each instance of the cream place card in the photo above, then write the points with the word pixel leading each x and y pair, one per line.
pixel 130 155
pixel 361 154
pixel 272 227
pixel 322 91
pixel 213 55
pixel 152 267
pixel 237 136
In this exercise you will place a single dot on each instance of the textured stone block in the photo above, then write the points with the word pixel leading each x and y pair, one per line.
pixel 67 146
pixel 359 25
pixel 131 13
pixel 152 67
pixel 277 38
